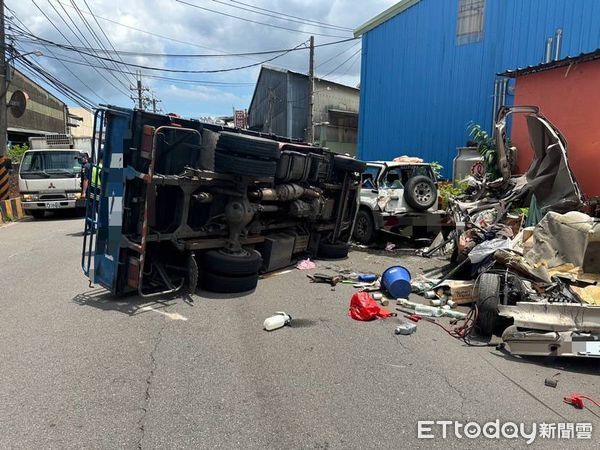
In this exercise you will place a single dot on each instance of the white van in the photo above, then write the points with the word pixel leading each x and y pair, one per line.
pixel 50 174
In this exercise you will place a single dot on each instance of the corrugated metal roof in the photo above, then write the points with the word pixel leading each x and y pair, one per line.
pixel 385 16
pixel 582 57
pixel 279 69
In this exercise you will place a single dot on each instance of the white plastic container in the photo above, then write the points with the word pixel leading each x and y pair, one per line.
pixel 278 320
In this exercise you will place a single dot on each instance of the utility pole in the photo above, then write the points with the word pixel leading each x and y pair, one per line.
pixel 139 88
pixel 154 102
pixel 310 130
pixel 3 110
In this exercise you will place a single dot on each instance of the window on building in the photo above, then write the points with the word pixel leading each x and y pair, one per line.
pixel 469 24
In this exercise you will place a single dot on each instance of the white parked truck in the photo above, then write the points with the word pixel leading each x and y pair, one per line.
pixel 50 174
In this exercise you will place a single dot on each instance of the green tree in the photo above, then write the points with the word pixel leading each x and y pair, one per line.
pixel 15 152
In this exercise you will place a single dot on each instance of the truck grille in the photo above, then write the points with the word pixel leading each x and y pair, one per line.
pixel 53 196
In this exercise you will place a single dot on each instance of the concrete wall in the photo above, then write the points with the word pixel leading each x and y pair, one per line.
pixel 45 113
pixel 330 95
pixel 569 97
pixel 86 127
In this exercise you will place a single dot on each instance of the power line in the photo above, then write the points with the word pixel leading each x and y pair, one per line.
pixel 57 84
pixel 345 61
pixel 324 24
pixel 256 21
pixel 67 39
pixel 163 69
pixel 34 38
pixel 95 35
pixel 337 54
pixel 119 80
pixel 61 62
pixel 150 33
pixel 356 58
pixel 157 77
pixel 101 29
pixel 277 16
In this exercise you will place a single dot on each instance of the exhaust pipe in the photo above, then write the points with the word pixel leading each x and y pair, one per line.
pixel 548 50
pixel 558 40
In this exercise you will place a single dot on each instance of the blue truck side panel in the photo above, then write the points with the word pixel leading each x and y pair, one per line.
pixel 420 89
pixel 110 213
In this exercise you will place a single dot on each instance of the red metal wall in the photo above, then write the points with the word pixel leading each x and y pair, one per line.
pixel 571 100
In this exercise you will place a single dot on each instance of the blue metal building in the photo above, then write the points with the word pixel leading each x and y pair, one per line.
pixel 429 67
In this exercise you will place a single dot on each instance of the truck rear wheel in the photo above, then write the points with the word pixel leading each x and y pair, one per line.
pixel 337 250
pixel 232 264
pixel 227 284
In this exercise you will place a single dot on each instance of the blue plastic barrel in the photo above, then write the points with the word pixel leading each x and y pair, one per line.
pixel 396 280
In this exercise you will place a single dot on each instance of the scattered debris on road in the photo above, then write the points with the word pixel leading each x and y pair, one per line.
pixel 276 321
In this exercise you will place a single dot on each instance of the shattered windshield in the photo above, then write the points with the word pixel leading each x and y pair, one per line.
pixel 50 164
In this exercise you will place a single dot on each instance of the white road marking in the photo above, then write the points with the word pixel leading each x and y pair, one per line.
pixel 172 316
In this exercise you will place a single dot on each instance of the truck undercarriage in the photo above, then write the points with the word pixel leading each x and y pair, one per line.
pixel 184 202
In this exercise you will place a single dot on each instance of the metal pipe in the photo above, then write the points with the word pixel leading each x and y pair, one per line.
pixel 495 106
pixel 503 89
pixel 559 33
pixel 548 50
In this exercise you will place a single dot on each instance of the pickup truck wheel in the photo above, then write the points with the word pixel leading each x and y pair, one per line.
pixel 337 250
pixel 227 284
pixel 348 164
pixel 364 227
pixel 487 303
pixel 36 213
pixel 232 264
pixel 420 193
pixel 249 145
pixel 239 165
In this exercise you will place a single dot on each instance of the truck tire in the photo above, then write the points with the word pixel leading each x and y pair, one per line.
pixel 230 264
pixel 239 165
pixel 227 284
pixel 420 193
pixel 348 164
pixel 337 250
pixel 249 145
pixel 364 227
pixel 487 303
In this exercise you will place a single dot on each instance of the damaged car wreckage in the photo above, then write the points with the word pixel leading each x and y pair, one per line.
pixel 186 203
pixel 536 286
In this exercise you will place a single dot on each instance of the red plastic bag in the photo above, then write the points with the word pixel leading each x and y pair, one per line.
pixel 364 307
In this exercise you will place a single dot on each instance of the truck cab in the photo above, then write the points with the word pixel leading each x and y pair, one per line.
pixel 50 176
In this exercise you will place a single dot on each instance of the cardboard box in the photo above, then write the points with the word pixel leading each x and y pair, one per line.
pixel 461 291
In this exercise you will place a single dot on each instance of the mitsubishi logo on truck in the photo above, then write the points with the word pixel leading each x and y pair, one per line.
pixel 51 186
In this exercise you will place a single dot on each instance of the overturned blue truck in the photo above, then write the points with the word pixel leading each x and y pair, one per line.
pixel 183 204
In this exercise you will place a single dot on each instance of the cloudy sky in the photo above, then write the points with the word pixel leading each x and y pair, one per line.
pixel 206 27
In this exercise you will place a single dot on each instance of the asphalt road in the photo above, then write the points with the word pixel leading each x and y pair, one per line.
pixel 81 370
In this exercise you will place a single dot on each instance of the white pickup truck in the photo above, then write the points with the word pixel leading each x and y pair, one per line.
pixel 50 174
pixel 397 195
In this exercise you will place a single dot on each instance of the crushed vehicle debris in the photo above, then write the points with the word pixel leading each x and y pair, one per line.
pixel 524 257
